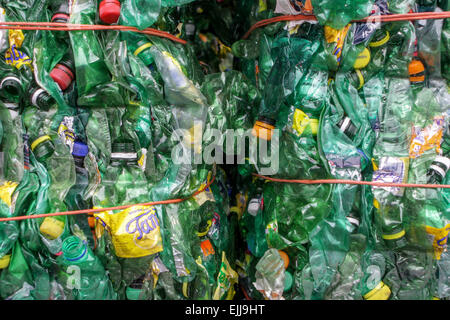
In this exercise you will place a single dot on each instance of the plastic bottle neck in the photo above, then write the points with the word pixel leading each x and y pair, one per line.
pixel 74 249
pixel 79 161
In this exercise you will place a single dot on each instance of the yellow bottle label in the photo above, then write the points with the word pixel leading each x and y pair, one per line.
pixel 16 37
pixel 440 237
pixel 226 279
pixel 51 228
pixel 427 138
pixel 135 231
pixel 262 5
pixel 6 192
pixel 380 292
pixel 338 37
pixel 241 201
pixel 4 261
pixel 301 121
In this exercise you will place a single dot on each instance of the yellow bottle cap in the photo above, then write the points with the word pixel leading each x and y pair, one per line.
pixel 380 292
pixel 285 258
pixel 51 228
pixel 142 48
pixel 4 261
pixel 363 59
pixel 394 236
pixel 380 42
pixel 38 141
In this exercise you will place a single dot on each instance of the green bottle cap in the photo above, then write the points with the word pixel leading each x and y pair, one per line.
pixel 288 281
pixel 133 293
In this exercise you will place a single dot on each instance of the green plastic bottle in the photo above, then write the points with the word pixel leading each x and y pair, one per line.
pixel 84 272
pixel 90 66
pixel 75 199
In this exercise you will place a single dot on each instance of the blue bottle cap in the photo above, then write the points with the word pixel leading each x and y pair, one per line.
pixel 80 149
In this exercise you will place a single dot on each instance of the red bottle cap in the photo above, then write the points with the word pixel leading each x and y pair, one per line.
pixel 62 75
pixel 109 11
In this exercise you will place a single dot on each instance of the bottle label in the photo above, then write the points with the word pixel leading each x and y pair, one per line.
pixel 206 194
pixel 226 279
pixel 439 237
pixel 17 58
pixel 207 248
pixel 301 121
pixel 66 132
pixel 391 170
pixel 6 192
pixel 253 206
pixel 241 201
pixel 143 159
pixel 292 7
pixel 262 5
pixel 427 138
pixel 135 231
pixel 338 37
pixel 272 226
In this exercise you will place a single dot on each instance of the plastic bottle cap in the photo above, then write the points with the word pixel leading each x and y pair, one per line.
pixel 253 206
pixel 380 292
pixel 51 228
pixel 263 130
pixel 133 293
pixel 91 222
pixel 62 75
pixel 394 236
pixel 288 281
pixel 363 59
pixel 285 258
pixel 381 40
pixel 416 71
pixel 80 149
pixel 4 261
pixel 109 11
pixel 39 140
pixel 60 17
